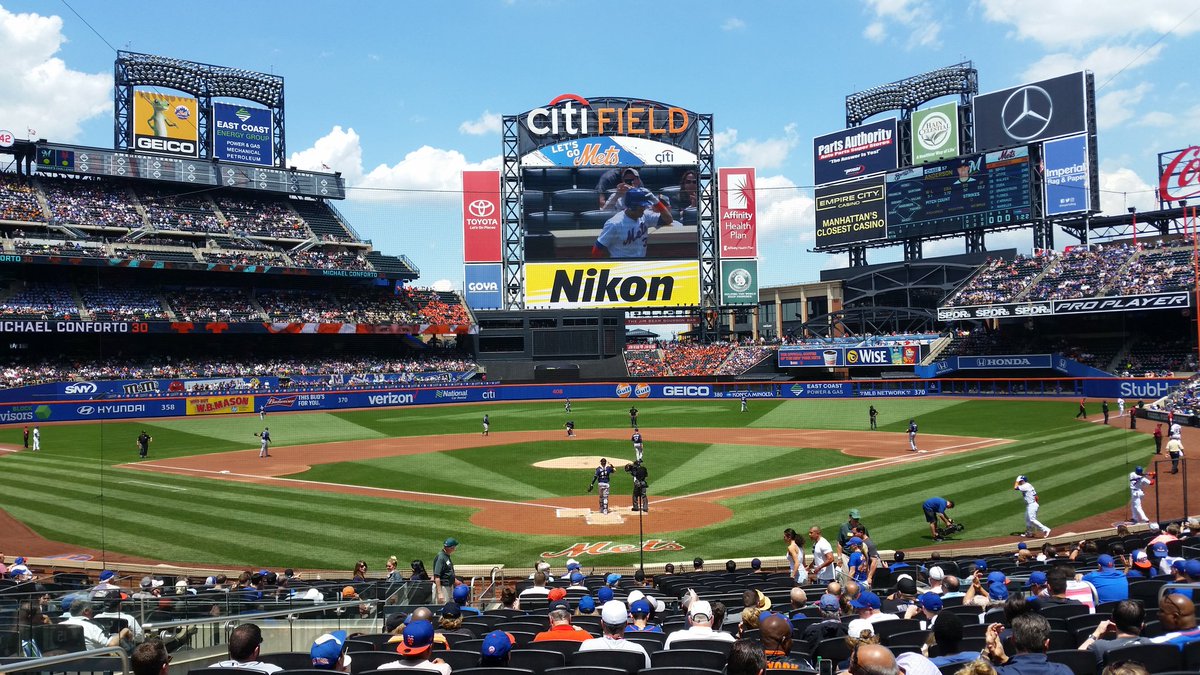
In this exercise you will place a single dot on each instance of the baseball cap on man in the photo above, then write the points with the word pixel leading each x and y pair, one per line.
pixel 587 604
pixel 1021 479
pixel 854 541
pixel 981 565
pixel 327 648
pixel 496 644
pixel 612 578
pixel 700 610
pixel 858 627
pixel 577 577
pixel 1159 549
pixel 572 564
pixel 639 607
pixel 854 513
pixel 639 196
pixel 906 585
pixel 556 594
pixel 559 605
pixel 829 603
pixel 417 637
pixel 107 574
pixel 936 573
pixel 451 610
pixel 1104 560
pixel 614 613
pixel 1140 560
pixel 930 601
pixel 1192 568
pixel 1036 579
pixel 605 594
pixel 1022 546
pixel 450 543
pixel 865 600
pixel 462 593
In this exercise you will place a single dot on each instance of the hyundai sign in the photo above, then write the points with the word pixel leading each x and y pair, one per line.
pixel 484 286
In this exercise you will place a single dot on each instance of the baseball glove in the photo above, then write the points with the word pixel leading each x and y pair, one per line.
pixel 591 487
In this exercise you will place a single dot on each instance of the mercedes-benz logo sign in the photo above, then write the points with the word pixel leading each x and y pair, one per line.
pixel 481 208
pixel 1027 113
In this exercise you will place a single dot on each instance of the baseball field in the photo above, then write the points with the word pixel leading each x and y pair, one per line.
pixel 373 483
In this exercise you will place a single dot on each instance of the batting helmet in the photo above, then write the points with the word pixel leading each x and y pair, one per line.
pixel 1138 470
pixel 637 196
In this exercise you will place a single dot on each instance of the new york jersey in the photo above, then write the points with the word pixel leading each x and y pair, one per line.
pixel 625 237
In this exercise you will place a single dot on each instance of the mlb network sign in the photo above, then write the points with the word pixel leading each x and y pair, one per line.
pixel 484 286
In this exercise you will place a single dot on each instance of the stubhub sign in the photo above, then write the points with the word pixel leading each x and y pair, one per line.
pixel 485 286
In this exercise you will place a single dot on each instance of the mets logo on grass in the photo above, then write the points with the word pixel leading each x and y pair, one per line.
pixel 609 547
pixel 219 405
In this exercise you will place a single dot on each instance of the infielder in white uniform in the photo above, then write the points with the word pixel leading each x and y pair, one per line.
pixel 1138 479
pixel 37 439
pixel 1176 431
pixel 1120 407
pixel 1029 493
pixel 625 234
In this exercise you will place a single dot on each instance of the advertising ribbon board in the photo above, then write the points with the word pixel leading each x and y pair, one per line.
pixel 165 125
pixel 482 233
pixel 935 133
pixel 242 133
pixel 634 284
pixel 220 405
pixel 738 220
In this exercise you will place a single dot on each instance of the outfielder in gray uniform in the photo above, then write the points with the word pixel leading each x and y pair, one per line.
pixel 1029 493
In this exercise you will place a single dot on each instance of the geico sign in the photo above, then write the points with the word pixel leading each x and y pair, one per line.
pixel 483 286
pixel 687 390
pixel 170 145
pixel 573 115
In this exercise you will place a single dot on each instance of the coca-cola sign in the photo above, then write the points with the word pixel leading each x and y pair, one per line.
pixel 1179 174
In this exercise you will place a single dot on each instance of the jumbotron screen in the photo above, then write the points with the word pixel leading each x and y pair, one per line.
pixel 574 214
pixel 964 193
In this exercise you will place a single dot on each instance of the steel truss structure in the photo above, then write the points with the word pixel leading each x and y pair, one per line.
pixel 201 80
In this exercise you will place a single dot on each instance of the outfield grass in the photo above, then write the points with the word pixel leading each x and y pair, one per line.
pixel 72 492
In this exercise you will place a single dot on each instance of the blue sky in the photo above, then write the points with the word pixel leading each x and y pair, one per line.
pixel 402 96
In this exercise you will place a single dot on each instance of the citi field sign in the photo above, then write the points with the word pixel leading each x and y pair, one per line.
pixel 569 116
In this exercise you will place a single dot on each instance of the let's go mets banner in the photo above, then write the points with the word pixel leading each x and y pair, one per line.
pixel 220 405
pixel 631 284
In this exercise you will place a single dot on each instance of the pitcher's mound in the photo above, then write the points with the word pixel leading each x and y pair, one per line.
pixel 579 462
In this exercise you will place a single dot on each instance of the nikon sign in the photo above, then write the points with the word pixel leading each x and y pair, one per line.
pixel 739 282
pixel 633 284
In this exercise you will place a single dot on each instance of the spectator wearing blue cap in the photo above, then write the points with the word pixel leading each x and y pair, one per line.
pixel 586 606
pixel 604 594
pixel 462 598
pixel 612 580
pixel 987 590
pixel 927 608
pixel 577 581
pixel 19 570
pixel 1036 585
pixel 867 605
pixel 415 648
pixel 327 652
pixel 640 614
pixel 494 652
pixel 443 572
pixel 830 625
pixel 857 563
pixel 1110 583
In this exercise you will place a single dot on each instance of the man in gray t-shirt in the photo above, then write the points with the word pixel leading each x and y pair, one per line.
pixel 1122 630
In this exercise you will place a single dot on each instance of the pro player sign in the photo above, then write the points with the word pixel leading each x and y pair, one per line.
pixel 739 214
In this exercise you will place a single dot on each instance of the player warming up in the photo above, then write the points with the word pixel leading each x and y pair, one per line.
pixel 637 444
pixel 570 425
pixel 1030 495
pixel 912 436
pixel 486 424
pixel 633 413
pixel 567 406
pixel 874 415
pixel 1138 481
pixel 37 439
pixel 626 234
pixel 743 400
pixel 935 509
pixel 601 477
pixel 264 438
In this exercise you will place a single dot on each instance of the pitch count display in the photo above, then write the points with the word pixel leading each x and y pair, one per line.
pixel 964 193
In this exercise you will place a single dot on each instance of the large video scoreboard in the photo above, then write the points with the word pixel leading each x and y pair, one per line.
pixel 965 193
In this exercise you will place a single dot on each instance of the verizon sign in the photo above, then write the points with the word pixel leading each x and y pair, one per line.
pixel 482 234
pixel 738 214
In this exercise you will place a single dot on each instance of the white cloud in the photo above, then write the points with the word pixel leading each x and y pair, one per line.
pixel 487 123
pixel 39 90
pixel 1104 61
pixel 733 23
pixel 442 285
pixel 785 210
pixel 1158 119
pixel 769 153
pixel 426 171
pixel 1081 22
pixel 1117 106
pixel 917 18
pixel 1121 188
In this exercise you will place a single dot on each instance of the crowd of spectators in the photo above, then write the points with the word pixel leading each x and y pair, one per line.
pixel 1183 400
pixel 684 359
pixel 43 301
pixel 264 258
pixel 331 259
pixel 262 218
pixel 18 200
pixel 204 304
pixel 644 363
pixel 87 202
pixel 1159 356
pixel 65 248
pixel 435 307
pixel 741 359
pixel 123 303
pixel 374 307
pixel 168 211
pixel 1155 270
pixel 238 372
pixel 999 281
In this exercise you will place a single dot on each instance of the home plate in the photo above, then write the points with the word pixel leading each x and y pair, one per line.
pixel 610 518
pixel 572 513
